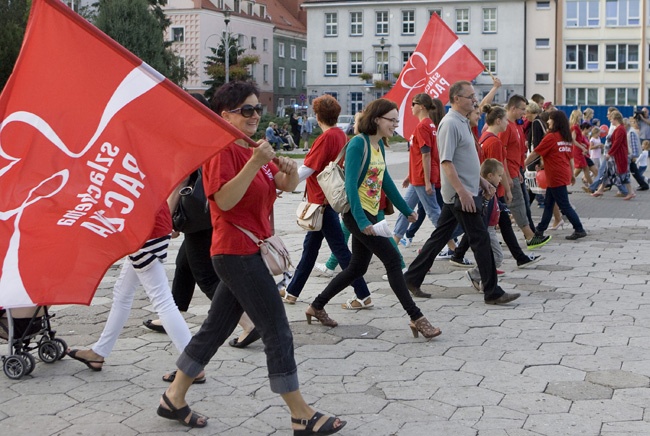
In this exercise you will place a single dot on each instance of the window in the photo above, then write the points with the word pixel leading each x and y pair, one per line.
pixel 622 57
pixel 293 77
pixel 489 20
pixel 331 24
pixel 462 20
pixel 304 78
pixel 265 44
pixel 292 51
pixel 281 49
pixel 356 23
pixel 331 63
pixel 490 60
pixel 543 5
pixel 181 62
pixel 581 96
pixel 262 11
pixel 408 22
pixel 236 6
pixel 541 78
pixel 304 53
pixel 356 102
pixel 253 43
pixel 252 70
pixel 241 40
pixel 265 73
pixel 280 103
pixel 542 43
pixel 249 8
pixel 582 13
pixel 178 34
pixel 406 55
pixel 623 12
pixel 356 63
pixel 581 57
pixel 281 77
pixel 333 94
pixel 381 65
pixel 438 12
pixel 621 96
pixel 381 20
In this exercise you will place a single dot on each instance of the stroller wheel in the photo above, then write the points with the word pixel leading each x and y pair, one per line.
pixel 30 362
pixel 63 347
pixel 49 352
pixel 14 367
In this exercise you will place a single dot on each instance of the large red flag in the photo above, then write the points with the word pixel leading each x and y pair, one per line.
pixel 92 141
pixel 439 60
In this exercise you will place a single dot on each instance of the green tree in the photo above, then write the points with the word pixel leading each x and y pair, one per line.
pixel 13 20
pixel 238 62
pixel 139 25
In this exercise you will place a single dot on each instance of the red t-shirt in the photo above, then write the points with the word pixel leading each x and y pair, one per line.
pixel 253 210
pixel 579 160
pixel 493 148
pixel 324 150
pixel 424 135
pixel 557 155
pixel 163 224
pixel 514 141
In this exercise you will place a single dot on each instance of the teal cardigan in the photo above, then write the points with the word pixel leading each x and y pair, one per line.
pixel 353 156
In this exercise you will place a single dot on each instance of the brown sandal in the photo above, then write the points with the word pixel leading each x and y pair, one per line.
pixel 423 326
pixel 320 315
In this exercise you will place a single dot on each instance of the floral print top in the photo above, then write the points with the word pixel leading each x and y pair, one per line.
pixel 370 189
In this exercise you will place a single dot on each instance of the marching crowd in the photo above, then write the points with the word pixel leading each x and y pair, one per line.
pixel 470 184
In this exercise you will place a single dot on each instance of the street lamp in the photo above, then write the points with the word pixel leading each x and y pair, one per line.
pixel 226 19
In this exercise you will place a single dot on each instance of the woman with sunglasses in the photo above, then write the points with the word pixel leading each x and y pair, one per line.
pixel 240 183
pixel 364 181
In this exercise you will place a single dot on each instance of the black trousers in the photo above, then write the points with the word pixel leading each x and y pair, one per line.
pixel 634 169
pixel 479 241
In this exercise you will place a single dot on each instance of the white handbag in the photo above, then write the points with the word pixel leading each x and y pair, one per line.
pixel 310 216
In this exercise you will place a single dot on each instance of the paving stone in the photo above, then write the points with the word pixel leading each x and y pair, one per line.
pixel 467 396
pixel 607 410
pixel 508 383
pixel 535 403
pixel 618 379
pixel 578 390
pixel 554 373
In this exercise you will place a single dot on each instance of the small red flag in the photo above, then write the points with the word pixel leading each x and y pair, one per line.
pixel 439 60
pixel 92 141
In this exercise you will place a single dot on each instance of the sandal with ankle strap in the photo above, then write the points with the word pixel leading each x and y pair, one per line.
pixel 357 303
pixel 325 429
pixel 287 298
pixel 180 414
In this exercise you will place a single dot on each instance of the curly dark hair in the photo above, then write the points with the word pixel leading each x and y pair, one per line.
pixel 232 95
pixel 327 109
pixel 375 109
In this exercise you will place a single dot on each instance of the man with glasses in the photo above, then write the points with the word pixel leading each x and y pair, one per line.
pixel 461 181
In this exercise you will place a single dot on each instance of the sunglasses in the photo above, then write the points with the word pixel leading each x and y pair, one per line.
pixel 247 110
pixel 413 103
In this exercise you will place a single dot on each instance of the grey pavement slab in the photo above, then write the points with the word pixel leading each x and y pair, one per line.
pixel 570 357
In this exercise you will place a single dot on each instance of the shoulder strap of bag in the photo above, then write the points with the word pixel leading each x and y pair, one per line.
pixel 249 234
pixel 366 145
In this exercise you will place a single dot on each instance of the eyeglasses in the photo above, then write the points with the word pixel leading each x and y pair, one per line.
pixel 247 110
pixel 392 120
pixel 471 97
pixel 413 103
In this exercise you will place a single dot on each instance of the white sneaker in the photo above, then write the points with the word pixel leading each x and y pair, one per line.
pixel 446 253
pixel 406 242
pixel 385 276
pixel 323 271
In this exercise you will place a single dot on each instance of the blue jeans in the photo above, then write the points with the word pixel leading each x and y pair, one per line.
pixel 414 227
pixel 601 178
pixel 332 233
pixel 246 285
pixel 560 196
pixel 412 195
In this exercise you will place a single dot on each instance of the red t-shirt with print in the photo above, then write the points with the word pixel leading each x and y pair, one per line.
pixel 324 150
pixel 253 210
pixel 514 141
pixel 424 135
pixel 493 149
pixel 557 154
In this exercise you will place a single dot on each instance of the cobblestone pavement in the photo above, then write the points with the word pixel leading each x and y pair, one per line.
pixel 570 357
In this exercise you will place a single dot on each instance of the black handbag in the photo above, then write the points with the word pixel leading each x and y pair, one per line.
pixel 192 213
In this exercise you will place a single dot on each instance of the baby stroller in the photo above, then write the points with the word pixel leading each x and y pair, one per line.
pixel 22 335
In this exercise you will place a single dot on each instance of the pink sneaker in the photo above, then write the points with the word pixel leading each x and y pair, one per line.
pixel 500 272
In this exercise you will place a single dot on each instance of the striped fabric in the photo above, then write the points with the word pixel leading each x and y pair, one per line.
pixel 153 249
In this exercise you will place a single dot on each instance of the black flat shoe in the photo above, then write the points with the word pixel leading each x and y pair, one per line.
pixel 155 327
pixel 252 336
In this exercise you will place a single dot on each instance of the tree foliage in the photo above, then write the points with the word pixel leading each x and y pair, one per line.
pixel 238 62
pixel 139 25
pixel 13 20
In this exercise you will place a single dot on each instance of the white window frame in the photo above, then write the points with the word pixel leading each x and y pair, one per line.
pixel 356 23
pixel 236 6
pixel 303 76
pixel 539 77
pixel 304 53
pixel 331 63
pixel 356 63
pixel 408 22
pixel 581 96
pixel 381 64
pixel 253 42
pixel 381 23
pixel 621 96
pixel 280 49
pixel 331 24
pixel 262 11
pixel 489 22
pixel 462 21
pixel 582 13
pixel 543 5
pixel 280 77
pixel 181 33
pixel 490 64
pixel 292 78
pixel 265 73
pixel 585 50
pixel 437 11
pixel 620 13
pixel 265 44
pixel 406 55
pixel 292 51
pixel 356 102
pixel 624 51
pixel 542 43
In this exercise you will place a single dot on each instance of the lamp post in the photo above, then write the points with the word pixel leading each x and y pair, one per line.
pixel 226 19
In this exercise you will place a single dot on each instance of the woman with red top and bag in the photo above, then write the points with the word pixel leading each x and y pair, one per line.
pixel 240 183
pixel 556 149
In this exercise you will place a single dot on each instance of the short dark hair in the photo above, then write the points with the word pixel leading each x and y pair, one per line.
pixel 327 109
pixel 537 98
pixel 490 166
pixel 515 100
pixel 232 95
pixel 456 88
pixel 375 109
